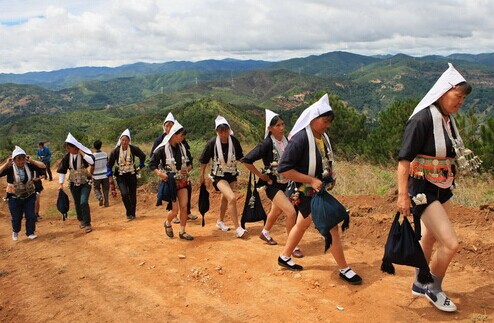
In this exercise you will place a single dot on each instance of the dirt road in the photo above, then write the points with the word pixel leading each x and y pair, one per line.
pixel 131 272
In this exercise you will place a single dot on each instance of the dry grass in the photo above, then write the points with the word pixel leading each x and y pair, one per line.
pixel 356 178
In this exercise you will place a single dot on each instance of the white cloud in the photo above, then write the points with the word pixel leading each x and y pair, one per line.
pixel 47 35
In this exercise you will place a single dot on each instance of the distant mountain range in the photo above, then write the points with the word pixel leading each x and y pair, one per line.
pixel 367 83
pixel 59 79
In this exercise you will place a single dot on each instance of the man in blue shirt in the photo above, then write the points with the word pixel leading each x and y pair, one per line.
pixel 44 154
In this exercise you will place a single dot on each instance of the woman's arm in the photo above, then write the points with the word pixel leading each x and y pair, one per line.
pixel 403 202
pixel 298 177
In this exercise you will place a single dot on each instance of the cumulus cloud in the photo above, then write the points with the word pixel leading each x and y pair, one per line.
pixel 48 35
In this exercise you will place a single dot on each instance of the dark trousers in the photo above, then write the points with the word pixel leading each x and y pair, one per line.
pixel 20 207
pixel 81 200
pixel 189 196
pixel 102 184
pixel 127 183
pixel 48 170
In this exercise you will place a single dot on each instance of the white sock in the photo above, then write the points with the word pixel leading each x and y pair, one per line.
pixel 348 272
pixel 288 260
pixel 266 234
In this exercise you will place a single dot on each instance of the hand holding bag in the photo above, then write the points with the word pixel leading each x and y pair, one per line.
pixel 403 248
pixel 253 209
pixel 327 212
pixel 63 204
pixel 203 202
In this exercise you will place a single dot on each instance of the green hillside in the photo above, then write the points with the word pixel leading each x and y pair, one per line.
pixel 144 122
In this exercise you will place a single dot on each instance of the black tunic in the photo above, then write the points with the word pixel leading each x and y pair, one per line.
pixel 160 157
pixel 134 150
pixel 264 151
pixel 9 172
pixel 296 155
pixel 418 137
pixel 208 151
pixel 159 140
pixel 65 163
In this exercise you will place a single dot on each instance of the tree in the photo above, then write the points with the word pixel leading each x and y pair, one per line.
pixel 384 141
pixel 348 129
pixel 487 144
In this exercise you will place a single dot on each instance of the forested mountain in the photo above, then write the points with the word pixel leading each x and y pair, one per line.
pixel 366 83
pixel 59 79
pixel 361 88
pixel 326 65
pixel 486 59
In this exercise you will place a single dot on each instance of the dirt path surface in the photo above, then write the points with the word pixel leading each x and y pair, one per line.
pixel 131 272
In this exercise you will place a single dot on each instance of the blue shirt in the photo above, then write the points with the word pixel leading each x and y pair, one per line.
pixel 44 154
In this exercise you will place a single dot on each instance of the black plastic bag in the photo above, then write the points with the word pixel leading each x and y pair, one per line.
pixel 327 212
pixel 253 209
pixel 403 248
pixel 63 204
pixel 167 191
pixel 203 201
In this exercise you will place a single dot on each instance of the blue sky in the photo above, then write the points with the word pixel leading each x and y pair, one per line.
pixel 49 35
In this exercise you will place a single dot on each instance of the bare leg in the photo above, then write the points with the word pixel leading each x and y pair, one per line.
pixel 173 212
pixel 227 191
pixel 336 248
pixel 182 198
pixel 273 215
pixel 438 228
pixel 296 234
pixel 281 204
pixel 223 207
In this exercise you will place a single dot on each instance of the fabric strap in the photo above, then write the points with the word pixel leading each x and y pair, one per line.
pixel 312 150
pixel 276 145
pixel 17 171
pixel 219 149
pixel 440 125
pixel 78 163
pixel 170 159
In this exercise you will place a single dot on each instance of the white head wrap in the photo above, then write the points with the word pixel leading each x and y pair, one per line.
pixel 176 127
pixel 448 80
pixel 269 116
pixel 70 139
pixel 18 151
pixel 169 118
pixel 315 110
pixel 221 120
pixel 125 133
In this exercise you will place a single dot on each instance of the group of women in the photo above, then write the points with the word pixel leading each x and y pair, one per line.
pixel 430 157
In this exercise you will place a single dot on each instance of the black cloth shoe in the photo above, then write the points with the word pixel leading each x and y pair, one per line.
pixel 185 236
pixel 355 280
pixel 168 230
pixel 285 264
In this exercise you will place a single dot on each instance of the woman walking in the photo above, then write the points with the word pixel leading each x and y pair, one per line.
pixel 123 156
pixel 430 154
pixel 176 161
pixel 77 160
pixel 308 159
pixel 21 192
pixel 270 151
pixel 223 151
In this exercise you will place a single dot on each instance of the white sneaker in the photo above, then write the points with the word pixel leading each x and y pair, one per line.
pixel 222 226
pixel 441 301
pixel 15 236
pixel 32 236
pixel 239 233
